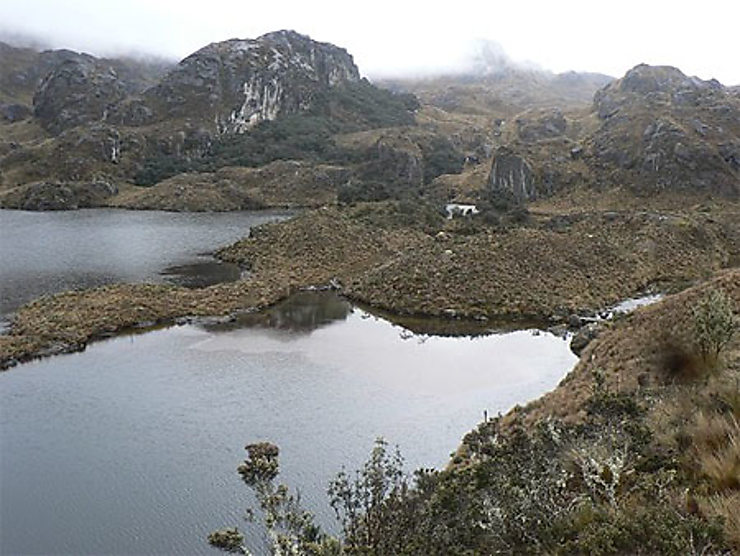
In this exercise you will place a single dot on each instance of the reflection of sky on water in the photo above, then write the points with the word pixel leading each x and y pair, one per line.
pixel 48 252
pixel 145 432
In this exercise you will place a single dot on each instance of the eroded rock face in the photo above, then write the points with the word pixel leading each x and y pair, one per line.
pixel 77 91
pixel 663 130
pixel 238 83
pixel 512 176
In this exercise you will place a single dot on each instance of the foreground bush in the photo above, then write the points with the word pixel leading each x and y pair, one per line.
pixel 595 488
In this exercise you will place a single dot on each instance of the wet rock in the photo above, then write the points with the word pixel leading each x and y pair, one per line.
pixel 574 321
pixel 584 337
pixel 559 330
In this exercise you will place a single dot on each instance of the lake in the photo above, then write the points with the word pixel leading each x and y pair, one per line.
pixel 49 252
pixel 131 446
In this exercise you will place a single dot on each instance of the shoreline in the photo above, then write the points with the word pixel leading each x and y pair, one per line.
pixel 409 263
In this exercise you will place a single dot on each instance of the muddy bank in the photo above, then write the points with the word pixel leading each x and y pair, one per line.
pixel 409 260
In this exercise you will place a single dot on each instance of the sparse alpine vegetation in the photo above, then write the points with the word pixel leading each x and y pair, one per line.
pixel 624 468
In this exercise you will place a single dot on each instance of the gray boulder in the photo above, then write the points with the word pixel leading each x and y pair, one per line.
pixel 584 337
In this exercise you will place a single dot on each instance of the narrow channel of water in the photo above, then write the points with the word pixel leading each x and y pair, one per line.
pixel 132 445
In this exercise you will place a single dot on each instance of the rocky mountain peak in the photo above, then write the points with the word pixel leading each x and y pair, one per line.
pixel 656 85
pixel 646 79
pixel 236 84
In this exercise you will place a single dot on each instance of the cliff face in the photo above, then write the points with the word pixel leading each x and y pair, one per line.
pixel 24 72
pixel 236 84
pixel 511 176
pixel 660 129
pixel 524 134
pixel 67 117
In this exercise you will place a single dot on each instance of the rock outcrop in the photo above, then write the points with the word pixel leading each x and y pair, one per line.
pixel 511 177
pixel 236 84
pixel 660 129
pixel 195 119
pixel 542 125
pixel 76 92
pixel 653 130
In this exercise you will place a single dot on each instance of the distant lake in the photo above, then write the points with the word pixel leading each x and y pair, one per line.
pixel 48 252
pixel 131 447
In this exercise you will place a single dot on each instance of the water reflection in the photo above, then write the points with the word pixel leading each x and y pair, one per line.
pixel 202 274
pixel 309 310
pixel 304 311
pixel 145 431
pixel 49 252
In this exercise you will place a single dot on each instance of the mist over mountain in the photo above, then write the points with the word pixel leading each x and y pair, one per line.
pixel 462 197
pixel 71 122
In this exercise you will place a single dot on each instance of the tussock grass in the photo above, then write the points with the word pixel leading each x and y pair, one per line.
pixel 712 431
pixel 721 465
pixel 725 506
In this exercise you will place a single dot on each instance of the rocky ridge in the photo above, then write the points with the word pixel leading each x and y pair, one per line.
pixel 655 129
pixel 91 121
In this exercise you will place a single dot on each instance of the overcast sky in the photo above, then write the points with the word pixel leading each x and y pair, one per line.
pixel 395 37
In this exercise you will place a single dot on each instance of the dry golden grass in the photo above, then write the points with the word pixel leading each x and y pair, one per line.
pixel 632 356
pixel 721 463
pixel 712 431
pixel 725 506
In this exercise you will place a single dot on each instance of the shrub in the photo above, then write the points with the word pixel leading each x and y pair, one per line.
pixel 228 539
pixel 290 528
pixel 440 157
pixel 714 324
pixel 366 505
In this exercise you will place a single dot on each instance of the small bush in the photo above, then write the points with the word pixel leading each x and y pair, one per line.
pixel 642 529
pixel 228 539
pixel 714 324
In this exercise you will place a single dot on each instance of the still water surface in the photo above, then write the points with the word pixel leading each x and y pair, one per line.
pixel 131 446
pixel 49 252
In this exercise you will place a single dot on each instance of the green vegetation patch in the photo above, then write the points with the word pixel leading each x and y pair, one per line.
pixel 299 136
